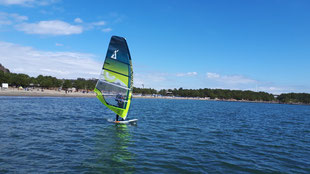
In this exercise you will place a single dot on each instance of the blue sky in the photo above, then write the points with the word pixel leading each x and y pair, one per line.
pixel 247 45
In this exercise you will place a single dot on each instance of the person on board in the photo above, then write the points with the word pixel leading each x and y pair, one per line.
pixel 120 102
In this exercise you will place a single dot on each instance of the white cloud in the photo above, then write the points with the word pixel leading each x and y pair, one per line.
pixel 27 3
pixel 22 59
pixel 106 30
pixel 78 20
pixel 16 2
pixel 273 89
pixel 188 74
pixel 11 18
pixel 99 23
pixel 18 17
pixel 212 75
pixel 5 22
pixel 279 89
pixel 150 80
pixel 230 79
pixel 53 27
pixel 59 44
pixel 162 80
pixel 238 82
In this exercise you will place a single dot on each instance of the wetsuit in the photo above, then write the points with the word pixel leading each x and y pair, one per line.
pixel 120 103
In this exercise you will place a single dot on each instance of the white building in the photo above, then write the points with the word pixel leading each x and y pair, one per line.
pixel 5 85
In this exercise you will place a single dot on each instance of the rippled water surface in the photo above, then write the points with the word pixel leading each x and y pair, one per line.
pixel 72 135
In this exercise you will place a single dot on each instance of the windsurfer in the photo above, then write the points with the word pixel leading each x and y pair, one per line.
pixel 120 102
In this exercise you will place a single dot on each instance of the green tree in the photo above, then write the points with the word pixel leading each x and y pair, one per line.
pixel 2 78
pixel 19 79
pixel 90 84
pixel 80 83
pixel 67 84
pixel 294 98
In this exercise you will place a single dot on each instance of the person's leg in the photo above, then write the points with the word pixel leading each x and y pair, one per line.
pixel 116 117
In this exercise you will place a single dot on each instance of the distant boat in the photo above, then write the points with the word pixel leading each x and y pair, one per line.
pixel 114 86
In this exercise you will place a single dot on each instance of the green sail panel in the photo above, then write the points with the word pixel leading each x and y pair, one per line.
pixel 114 86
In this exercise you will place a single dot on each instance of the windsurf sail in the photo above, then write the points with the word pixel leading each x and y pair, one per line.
pixel 114 86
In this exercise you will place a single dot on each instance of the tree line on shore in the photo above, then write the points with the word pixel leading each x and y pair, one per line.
pixel 49 82
pixel 294 98
pixel 226 94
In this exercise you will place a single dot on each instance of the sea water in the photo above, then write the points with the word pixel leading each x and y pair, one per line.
pixel 72 135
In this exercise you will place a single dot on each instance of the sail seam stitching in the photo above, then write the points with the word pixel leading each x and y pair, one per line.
pixel 116 72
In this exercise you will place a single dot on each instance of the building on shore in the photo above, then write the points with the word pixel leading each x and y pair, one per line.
pixel 5 86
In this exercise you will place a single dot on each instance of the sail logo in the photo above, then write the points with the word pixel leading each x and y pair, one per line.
pixel 114 54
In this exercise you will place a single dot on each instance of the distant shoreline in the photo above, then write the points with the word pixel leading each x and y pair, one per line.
pixel 44 93
pixel 62 93
pixel 206 99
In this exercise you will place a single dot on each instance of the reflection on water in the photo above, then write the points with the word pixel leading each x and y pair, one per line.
pixel 112 152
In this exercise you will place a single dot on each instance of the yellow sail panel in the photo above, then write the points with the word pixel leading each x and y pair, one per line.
pixel 116 78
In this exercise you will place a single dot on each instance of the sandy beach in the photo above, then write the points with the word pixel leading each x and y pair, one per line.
pixel 45 92
pixel 62 93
